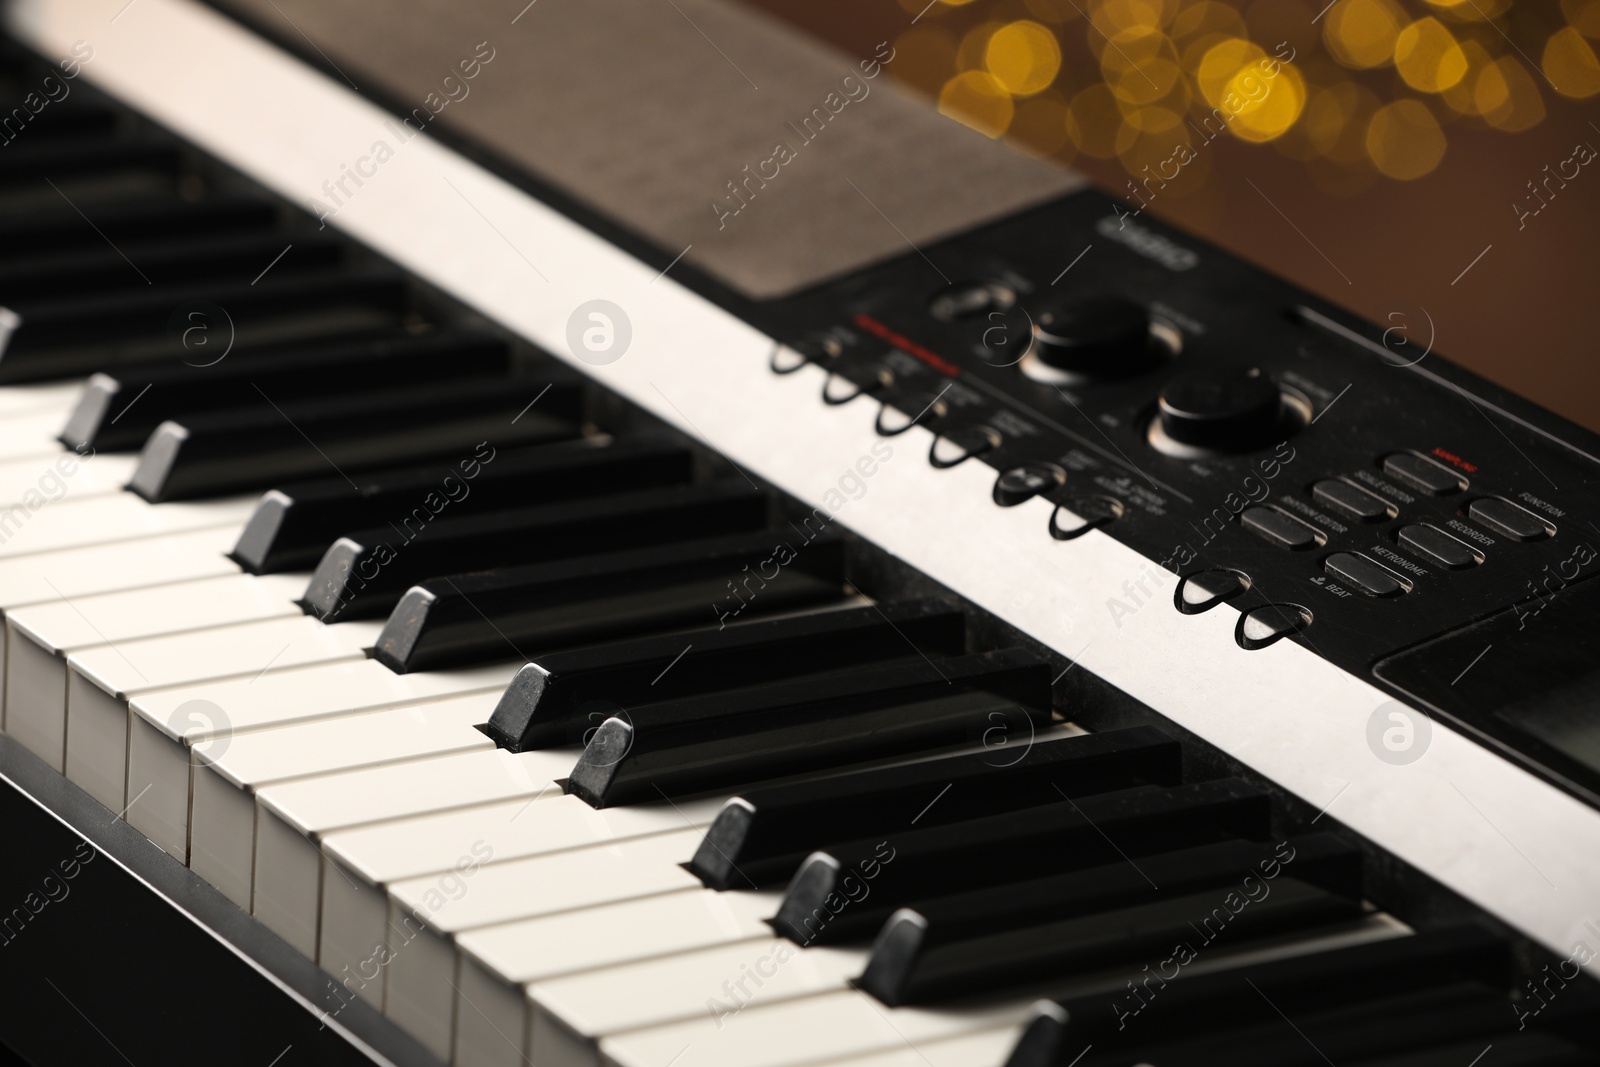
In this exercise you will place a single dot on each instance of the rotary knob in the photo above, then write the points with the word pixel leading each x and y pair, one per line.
pixel 1221 411
pixel 1093 338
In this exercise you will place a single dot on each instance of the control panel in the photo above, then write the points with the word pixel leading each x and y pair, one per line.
pixel 1340 485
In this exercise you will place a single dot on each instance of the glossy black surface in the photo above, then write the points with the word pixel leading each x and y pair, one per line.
pixel 118 411
pixel 240 450
pixel 761 836
pixel 545 705
pixel 802 724
pixel 519 612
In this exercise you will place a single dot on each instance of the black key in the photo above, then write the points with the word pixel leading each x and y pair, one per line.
pixel 1164 998
pixel 1065 947
pixel 364 573
pixel 721 739
pixel 467 618
pixel 1003 936
pixel 542 706
pixel 828 898
pixel 1528 1048
pixel 63 230
pixel 1428 1015
pixel 294 524
pixel 252 448
pixel 119 410
pixel 85 273
pixel 761 836
pixel 64 337
pixel 62 159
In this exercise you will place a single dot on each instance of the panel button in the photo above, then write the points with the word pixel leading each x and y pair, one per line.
pixel 1272 525
pixel 1362 573
pixel 1438 546
pixel 1023 483
pixel 1504 517
pixel 1432 478
pixel 1077 516
pixel 1260 627
pixel 1204 590
pixel 1351 501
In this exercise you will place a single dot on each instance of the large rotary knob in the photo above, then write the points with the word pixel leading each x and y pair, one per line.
pixel 1222 411
pixel 1093 338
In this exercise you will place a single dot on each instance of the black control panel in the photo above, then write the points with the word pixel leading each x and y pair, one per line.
pixel 1339 484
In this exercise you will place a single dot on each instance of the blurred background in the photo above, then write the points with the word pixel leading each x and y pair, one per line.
pixel 1422 163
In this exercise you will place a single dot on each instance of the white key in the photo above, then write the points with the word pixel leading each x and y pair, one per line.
pixel 826 1027
pixel 59 398
pixel 572 1014
pixel 428 844
pixel 164 723
pixel 53 478
pixel 290 815
pixel 104 519
pixel 31 433
pixel 103 679
pixel 495 892
pixel 492 1012
pixel 983 1048
pixel 222 829
pixel 133 564
pixel 40 636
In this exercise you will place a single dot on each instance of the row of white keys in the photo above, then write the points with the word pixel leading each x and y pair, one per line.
pixel 228 774
pixel 424 913
pixel 163 724
pixel 40 637
pixel 635 852
pixel 290 818
pixel 420 854
pixel 491 1014
pixel 103 679
pixel 69 575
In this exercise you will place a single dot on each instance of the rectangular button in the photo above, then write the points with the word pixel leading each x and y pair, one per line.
pixel 1350 501
pixel 1272 525
pixel 1410 469
pixel 1364 574
pixel 1504 517
pixel 1438 546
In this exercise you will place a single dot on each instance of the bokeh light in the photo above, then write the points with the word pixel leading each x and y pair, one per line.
pixel 1354 92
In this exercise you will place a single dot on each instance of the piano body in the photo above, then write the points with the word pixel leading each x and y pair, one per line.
pixel 734 584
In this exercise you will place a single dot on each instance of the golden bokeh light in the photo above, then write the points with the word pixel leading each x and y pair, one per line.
pixel 1507 97
pixel 1142 68
pixel 1023 57
pixel 1130 81
pixel 1570 64
pixel 1583 16
pixel 1222 63
pixel 1428 57
pixel 1362 33
pixel 1462 97
pixel 1265 99
pixel 977 99
pixel 1404 140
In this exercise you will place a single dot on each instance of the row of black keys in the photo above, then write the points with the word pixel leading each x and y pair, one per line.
pixel 1019 867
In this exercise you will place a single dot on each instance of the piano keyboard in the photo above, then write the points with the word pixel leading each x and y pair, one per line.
pixel 553 736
